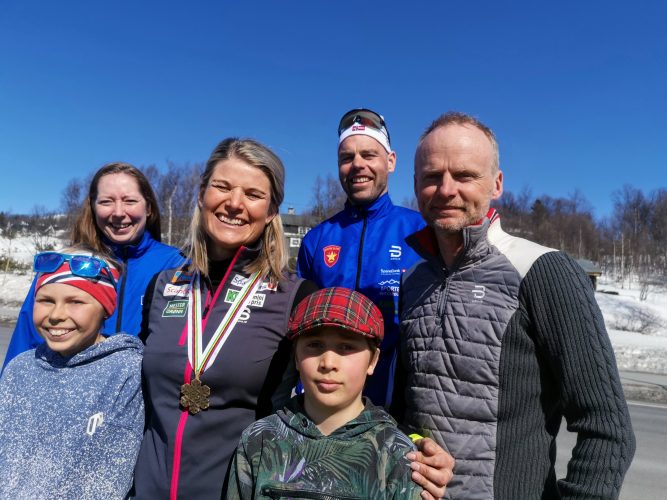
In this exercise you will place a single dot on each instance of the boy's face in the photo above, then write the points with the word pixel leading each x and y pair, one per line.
pixel 333 364
pixel 68 318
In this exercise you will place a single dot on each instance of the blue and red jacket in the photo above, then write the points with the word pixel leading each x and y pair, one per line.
pixel 363 248
pixel 142 261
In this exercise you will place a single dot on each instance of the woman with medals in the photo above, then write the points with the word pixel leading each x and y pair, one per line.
pixel 216 357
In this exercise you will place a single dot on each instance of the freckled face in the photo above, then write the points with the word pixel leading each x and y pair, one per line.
pixel 455 177
pixel 363 168
pixel 68 318
pixel 235 206
pixel 120 209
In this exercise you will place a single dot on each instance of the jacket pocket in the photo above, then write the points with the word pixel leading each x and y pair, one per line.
pixel 299 492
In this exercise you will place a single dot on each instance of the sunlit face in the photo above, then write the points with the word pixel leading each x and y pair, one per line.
pixel 333 365
pixel 455 179
pixel 68 318
pixel 120 209
pixel 235 207
pixel 363 168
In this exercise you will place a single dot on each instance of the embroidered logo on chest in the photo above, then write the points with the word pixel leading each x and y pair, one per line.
pixel 331 254
pixel 94 422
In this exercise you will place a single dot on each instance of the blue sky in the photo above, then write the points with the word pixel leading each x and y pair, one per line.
pixel 575 91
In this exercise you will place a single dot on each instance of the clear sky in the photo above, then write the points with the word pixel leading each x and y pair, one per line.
pixel 576 91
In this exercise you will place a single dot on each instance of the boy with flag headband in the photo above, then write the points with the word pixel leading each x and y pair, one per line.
pixel 72 415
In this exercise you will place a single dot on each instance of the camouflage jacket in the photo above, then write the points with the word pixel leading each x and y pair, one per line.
pixel 286 456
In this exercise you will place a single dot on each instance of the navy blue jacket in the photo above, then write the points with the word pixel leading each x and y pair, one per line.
pixel 142 261
pixel 363 248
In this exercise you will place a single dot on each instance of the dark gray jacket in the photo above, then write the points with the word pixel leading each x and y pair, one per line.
pixel 497 350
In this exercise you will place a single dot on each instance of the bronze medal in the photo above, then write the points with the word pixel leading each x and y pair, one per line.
pixel 195 396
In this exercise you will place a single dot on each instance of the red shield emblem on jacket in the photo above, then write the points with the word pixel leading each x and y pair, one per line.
pixel 331 253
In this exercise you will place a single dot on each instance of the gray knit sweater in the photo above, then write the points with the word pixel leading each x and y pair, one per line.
pixel 497 351
pixel 71 427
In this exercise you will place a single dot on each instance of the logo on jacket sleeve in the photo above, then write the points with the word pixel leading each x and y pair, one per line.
pixel 331 254
pixel 395 252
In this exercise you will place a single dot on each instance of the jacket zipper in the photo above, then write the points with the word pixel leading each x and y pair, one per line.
pixel 121 294
pixel 187 377
pixel 361 250
pixel 277 493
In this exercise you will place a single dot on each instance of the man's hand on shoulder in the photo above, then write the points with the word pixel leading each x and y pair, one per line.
pixel 432 468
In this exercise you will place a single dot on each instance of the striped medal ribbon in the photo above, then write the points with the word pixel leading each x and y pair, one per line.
pixel 195 395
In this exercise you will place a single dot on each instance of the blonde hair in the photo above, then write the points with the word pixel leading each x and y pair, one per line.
pixel 272 259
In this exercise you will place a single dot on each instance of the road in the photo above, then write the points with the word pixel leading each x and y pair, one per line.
pixel 647 477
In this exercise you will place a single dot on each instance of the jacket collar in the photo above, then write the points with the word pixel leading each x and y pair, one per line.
pixel 132 251
pixel 294 416
pixel 425 243
pixel 375 209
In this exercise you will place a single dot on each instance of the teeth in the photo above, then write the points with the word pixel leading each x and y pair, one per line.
pixel 58 332
pixel 121 226
pixel 233 222
pixel 359 180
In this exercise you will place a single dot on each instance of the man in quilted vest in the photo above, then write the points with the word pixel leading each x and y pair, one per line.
pixel 501 338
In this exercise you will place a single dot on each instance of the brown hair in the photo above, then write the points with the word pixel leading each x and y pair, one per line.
pixel 85 230
pixel 458 118
pixel 273 258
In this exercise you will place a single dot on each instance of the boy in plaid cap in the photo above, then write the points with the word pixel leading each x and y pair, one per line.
pixel 329 440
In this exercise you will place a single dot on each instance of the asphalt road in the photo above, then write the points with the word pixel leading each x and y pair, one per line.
pixel 647 477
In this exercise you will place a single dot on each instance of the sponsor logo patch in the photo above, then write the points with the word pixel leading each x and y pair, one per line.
pixel 256 301
pixel 331 254
pixel 391 272
pixel 395 252
pixel 181 276
pixel 175 309
pixel 389 287
pixel 267 285
pixel 239 280
pixel 176 290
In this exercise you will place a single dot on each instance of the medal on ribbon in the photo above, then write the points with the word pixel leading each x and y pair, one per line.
pixel 195 395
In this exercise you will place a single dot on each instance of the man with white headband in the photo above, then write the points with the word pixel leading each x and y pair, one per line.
pixel 362 247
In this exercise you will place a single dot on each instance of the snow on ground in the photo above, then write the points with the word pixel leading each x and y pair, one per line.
pixel 637 328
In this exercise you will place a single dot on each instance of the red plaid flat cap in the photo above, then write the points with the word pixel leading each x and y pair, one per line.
pixel 339 307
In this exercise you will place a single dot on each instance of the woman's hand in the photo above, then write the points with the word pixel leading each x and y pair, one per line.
pixel 431 468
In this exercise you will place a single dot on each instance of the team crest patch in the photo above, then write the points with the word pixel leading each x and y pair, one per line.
pixel 175 309
pixel 331 254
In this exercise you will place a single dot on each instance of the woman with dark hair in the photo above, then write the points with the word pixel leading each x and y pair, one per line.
pixel 120 218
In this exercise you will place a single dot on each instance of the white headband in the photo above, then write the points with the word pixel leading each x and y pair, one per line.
pixel 358 129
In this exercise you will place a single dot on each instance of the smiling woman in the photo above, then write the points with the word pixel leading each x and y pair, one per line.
pixel 216 356
pixel 121 219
